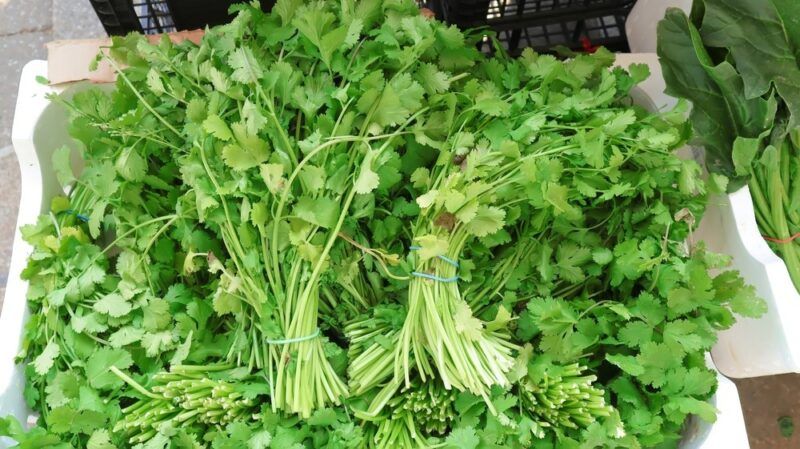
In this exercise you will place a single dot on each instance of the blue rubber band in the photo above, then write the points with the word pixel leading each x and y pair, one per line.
pixel 294 340
pixel 80 217
pixel 444 258
pixel 433 277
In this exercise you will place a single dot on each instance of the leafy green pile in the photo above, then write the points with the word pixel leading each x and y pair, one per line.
pixel 338 225
pixel 738 62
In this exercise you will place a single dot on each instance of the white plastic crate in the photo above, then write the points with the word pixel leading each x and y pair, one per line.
pixel 40 127
pixel 641 24
pixel 771 344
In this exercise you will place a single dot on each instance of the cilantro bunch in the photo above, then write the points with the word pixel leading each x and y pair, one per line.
pixel 337 225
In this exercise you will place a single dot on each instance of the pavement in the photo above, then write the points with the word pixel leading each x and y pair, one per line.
pixel 765 402
pixel 25 26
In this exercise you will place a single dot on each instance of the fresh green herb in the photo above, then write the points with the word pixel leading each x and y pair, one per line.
pixel 338 225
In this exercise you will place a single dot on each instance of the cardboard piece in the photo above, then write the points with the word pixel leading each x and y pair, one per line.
pixel 69 60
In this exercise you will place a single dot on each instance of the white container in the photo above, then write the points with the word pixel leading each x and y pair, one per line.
pixel 641 24
pixel 40 127
pixel 771 344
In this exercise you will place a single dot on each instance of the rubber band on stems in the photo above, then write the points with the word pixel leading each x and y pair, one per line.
pixel 781 241
pixel 433 277
pixel 287 341
pixel 80 217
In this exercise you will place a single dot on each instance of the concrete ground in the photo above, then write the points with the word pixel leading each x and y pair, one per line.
pixel 26 25
pixel 765 400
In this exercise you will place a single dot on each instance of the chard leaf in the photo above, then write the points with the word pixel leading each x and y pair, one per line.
pixel 754 34
pixel 721 110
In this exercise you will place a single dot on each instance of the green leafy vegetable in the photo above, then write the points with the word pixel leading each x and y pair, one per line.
pixel 737 61
pixel 339 226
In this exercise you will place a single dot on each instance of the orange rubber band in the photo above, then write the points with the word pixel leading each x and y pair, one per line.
pixel 786 240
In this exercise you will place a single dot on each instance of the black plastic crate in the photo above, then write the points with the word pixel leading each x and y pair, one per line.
pixel 540 24
pixel 120 17
pixel 543 24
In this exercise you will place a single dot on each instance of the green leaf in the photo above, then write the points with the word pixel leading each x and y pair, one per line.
pixel 246 68
pixel 62 163
pixel 683 334
pixel 113 304
pixel 619 122
pixel 321 211
pixel 431 246
pixel 432 80
pixel 156 315
pixel 466 323
pixel 488 103
pixel 744 152
pixel 259 440
pixel 154 82
pixel 90 323
pixel 687 406
pixel 61 419
pixel 722 112
pixel 313 23
pixel 44 361
pixel 225 302
pixel 252 117
pixel 557 196
pixel 323 417
pixel 427 199
pixel 125 336
pixel 747 303
pixel 656 359
pixel 593 146
pixel 552 316
pixel 63 389
pixel 626 363
pixel 487 220
pixel 500 321
pixel 462 438
pixel 243 158
pixel 367 180
pixel 313 177
pixel 272 174
pixel 182 351
pixel 602 256
pixel 95 220
pixel 286 9
pixel 332 41
pixel 97 367
pixel 196 110
pixel 390 110
pixel 639 72
pixel 217 127
pixel 157 342
pixel 100 439
pixel 755 36
pixel 635 333
pixel 219 80
pixel 694 381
